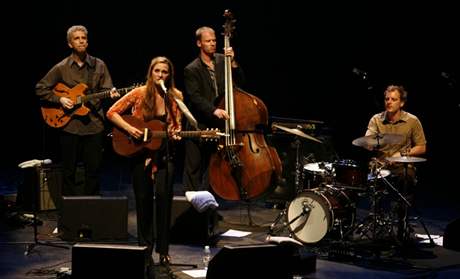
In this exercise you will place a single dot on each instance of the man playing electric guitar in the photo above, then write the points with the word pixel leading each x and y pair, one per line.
pixel 57 116
pixel 82 137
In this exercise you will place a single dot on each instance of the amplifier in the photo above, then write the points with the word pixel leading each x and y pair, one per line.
pixel 42 187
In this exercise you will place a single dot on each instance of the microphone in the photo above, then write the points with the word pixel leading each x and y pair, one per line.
pixel 445 75
pixel 362 74
pixel 34 163
pixel 162 84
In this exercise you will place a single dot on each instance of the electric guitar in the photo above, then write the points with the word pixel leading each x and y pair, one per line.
pixel 56 116
pixel 154 132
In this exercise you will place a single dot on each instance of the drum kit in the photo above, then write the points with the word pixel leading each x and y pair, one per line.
pixel 327 193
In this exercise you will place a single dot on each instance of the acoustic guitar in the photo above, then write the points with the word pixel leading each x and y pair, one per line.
pixel 56 116
pixel 154 132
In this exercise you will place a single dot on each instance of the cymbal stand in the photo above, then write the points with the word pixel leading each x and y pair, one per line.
pixel 409 205
pixel 298 166
pixel 297 183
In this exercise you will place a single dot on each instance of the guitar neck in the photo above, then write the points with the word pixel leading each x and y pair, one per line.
pixel 105 94
pixel 99 95
pixel 184 134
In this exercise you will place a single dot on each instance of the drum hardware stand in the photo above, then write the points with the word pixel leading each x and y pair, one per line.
pixel 281 215
pixel 407 206
pixel 298 188
pixel 376 221
pixel 273 229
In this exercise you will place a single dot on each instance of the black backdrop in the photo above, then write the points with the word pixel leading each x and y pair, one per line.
pixel 302 59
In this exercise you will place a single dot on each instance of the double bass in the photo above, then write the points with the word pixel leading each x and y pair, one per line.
pixel 245 166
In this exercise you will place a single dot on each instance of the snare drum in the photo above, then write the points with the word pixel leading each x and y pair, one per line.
pixel 316 173
pixel 380 174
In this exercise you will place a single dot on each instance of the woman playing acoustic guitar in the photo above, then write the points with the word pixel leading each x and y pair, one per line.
pixel 152 172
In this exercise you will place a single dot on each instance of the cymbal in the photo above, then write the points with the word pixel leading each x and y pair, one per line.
pixel 373 142
pixel 406 159
pixel 296 132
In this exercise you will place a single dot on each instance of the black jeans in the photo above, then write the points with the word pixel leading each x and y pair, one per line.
pixel 89 150
pixel 404 181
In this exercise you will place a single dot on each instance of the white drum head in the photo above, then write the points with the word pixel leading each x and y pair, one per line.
pixel 310 217
pixel 318 167
pixel 381 173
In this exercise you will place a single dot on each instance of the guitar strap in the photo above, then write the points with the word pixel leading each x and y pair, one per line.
pixel 90 73
pixel 95 110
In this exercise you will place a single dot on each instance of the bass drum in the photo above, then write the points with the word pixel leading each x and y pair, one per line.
pixel 316 212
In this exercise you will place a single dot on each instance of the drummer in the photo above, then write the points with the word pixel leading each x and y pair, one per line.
pixel 398 133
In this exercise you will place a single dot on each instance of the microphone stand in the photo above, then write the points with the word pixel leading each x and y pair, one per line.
pixel 166 105
pixel 35 199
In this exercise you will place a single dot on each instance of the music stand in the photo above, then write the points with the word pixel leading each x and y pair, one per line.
pixel 35 209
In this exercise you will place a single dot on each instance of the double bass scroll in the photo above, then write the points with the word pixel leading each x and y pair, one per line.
pixel 245 167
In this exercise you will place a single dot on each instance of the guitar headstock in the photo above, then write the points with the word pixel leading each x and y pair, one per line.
pixel 125 90
pixel 229 25
pixel 135 85
pixel 212 134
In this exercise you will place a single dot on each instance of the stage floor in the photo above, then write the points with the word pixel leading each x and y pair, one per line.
pixel 358 256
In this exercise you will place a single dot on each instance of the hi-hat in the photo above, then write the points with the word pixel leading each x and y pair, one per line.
pixel 376 141
pixel 406 159
pixel 296 132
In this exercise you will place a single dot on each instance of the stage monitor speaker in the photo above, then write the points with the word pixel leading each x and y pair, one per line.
pixel 451 238
pixel 108 261
pixel 90 218
pixel 188 226
pixel 261 261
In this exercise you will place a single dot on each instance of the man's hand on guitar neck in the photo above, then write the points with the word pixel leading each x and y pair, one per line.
pixel 114 93
pixel 67 103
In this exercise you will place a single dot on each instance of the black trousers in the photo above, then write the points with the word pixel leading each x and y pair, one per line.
pixel 89 150
pixel 404 180
pixel 153 196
